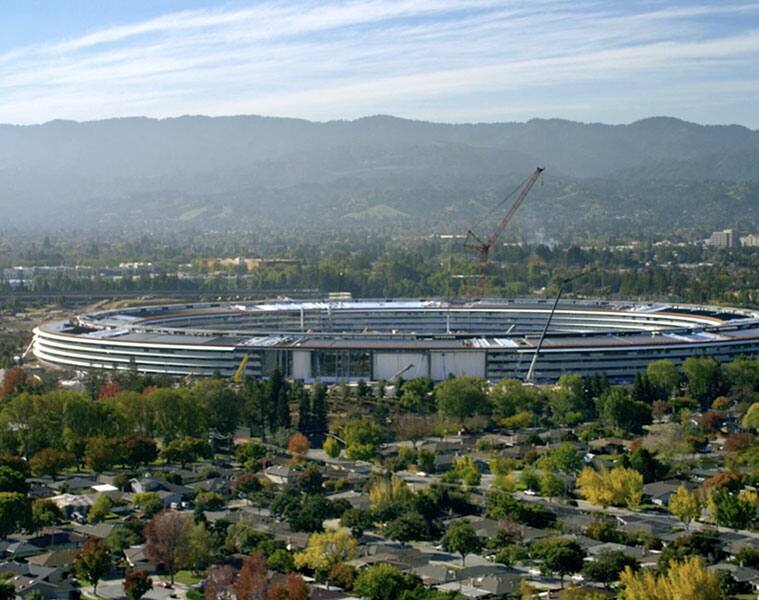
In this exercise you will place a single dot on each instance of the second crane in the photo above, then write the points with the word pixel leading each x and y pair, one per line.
pixel 483 246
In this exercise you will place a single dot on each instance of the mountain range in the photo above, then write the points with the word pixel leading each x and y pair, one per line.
pixel 656 174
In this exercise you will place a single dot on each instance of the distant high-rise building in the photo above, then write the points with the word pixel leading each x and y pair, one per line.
pixel 722 239
pixel 750 241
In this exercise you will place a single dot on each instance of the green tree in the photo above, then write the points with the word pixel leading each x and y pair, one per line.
pixel 15 513
pixel 93 562
pixel 186 450
pixel 45 513
pixel 331 447
pixel 100 509
pixel 462 397
pixel 357 520
pixel 362 437
pixel 319 411
pixel 12 481
pixel 751 418
pixel 102 453
pixel 560 555
pixel 409 527
pixel 50 461
pixel 461 538
pixel 383 582
pixel 620 412
pixel 608 565
pixel 731 510
pixel 704 379
pixel 665 377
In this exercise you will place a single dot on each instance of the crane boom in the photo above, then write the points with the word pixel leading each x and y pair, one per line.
pixel 483 247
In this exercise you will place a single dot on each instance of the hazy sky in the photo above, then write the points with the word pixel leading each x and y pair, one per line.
pixel 447 60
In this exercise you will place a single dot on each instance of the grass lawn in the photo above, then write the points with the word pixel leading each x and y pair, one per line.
pixel 185 577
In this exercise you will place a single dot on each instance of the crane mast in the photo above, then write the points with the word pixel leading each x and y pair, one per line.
pixel 483 247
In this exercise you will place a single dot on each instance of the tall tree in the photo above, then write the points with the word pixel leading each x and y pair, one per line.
pixel 461 538
pixel 684 505
pixel 167 540
pixel 319 411
pixel 252 581
pixel 93 562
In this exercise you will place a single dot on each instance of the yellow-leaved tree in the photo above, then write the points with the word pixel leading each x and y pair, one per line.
pixel 325 550
pixel 685 505
pixel 388 492
pixel 611 487
pixel 686 580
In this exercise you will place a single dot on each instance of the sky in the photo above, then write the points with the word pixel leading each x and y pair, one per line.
pixel 441 60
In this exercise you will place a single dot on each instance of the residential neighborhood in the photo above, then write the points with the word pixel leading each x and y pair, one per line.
pixel 134 487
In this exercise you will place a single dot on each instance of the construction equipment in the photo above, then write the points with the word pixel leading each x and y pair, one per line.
pixel 237 377
pixel 483 246
pixel 539 347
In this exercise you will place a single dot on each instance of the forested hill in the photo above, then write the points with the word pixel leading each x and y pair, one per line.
pixel 247 170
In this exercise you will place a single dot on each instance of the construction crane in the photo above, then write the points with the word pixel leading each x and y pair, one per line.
pixel 483 246
pixel 237 377
pixel 539 347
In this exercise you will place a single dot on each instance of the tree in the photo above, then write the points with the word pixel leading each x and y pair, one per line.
pixel 409 527
pixel 310 480
pixel 383 582
pixel 219 402
pixel 305 416
pixel 8 589
pixel 15 513
pixel 50 461
pixel 461 538
pixel 687 579
pixel 246 483
pixel 219 583
pixel 616 487
pixel 550 485
pixel 413 427
pixel 646 463
pixel 331 447
pixel 298 447
pixel 139 451
pixel 167 538
pixel 293 587
pixel 12 481
pixel 45 513
pixel 564 457
pixel 684 505
pixel 461 397
pixel 387 495
pixel 731 510
pixel 137 584
pixel 102 453
pixel 100 509
pixel 149 503
pixel 357 520
pixel 620 412
pixel 200 548
pixel 664 376
pixel 93 562
pixel 186 450
pixel 252 581
pixel 465 470
pixel 325 550
pixel 362 437
pixel 560 555
pixel 319 411
pixel 704 379
pixel 608 565
pixel 751 418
